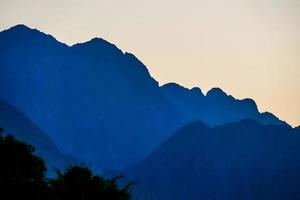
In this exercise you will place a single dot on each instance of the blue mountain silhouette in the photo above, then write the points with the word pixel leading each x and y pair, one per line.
pixel 243 160
pixel 93 100
pixel 216 107
pixel 101 104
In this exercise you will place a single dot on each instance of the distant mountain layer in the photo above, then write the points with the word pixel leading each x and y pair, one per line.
pixel 243 160
pixel 16 123
pixel 99 103
pixel 214 108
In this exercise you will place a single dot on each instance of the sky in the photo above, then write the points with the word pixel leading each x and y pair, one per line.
pixel 249 48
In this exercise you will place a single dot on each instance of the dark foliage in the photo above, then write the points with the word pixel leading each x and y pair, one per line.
pixel 79 183
pixel 22 176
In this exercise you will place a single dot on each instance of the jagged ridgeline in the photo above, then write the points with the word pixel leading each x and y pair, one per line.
pixel 93 100
pixel 100 104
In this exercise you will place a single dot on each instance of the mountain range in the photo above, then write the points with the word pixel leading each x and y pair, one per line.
pixel 100 104
pixel 93 100
pixel 216 107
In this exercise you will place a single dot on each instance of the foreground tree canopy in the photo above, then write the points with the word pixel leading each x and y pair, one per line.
pixel 22 176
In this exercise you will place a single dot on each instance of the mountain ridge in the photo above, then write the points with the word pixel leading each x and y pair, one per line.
pixel 99 103
pixel 212 107
pixel 215 91
pixel 89 87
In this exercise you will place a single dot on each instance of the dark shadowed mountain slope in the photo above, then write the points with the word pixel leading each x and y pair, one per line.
pixel 243 160
pixel 16 123
pixel 214 108
pixel 93 100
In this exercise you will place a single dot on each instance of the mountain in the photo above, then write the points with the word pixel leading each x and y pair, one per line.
pixel 101 104
pixel 214 108
pixel 93 100
pixel 243 160
pixel 16 123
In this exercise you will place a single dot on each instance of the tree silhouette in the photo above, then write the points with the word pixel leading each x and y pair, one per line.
pixel 22 176
pixel 78 183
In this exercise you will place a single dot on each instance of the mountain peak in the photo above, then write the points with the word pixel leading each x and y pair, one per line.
pixel 216 92
pixel 173 85
pixel 196 90
pixel 176 87
pixel 97 43
pixel 250 104
pixel 20 26
pixel 28 35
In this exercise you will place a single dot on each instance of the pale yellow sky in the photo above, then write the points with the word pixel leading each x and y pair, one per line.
pixel 249 48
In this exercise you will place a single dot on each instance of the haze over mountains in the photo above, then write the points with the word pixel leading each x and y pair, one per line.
pixel 100 104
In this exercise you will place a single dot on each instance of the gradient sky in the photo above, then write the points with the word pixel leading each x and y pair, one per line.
pixel 249 48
